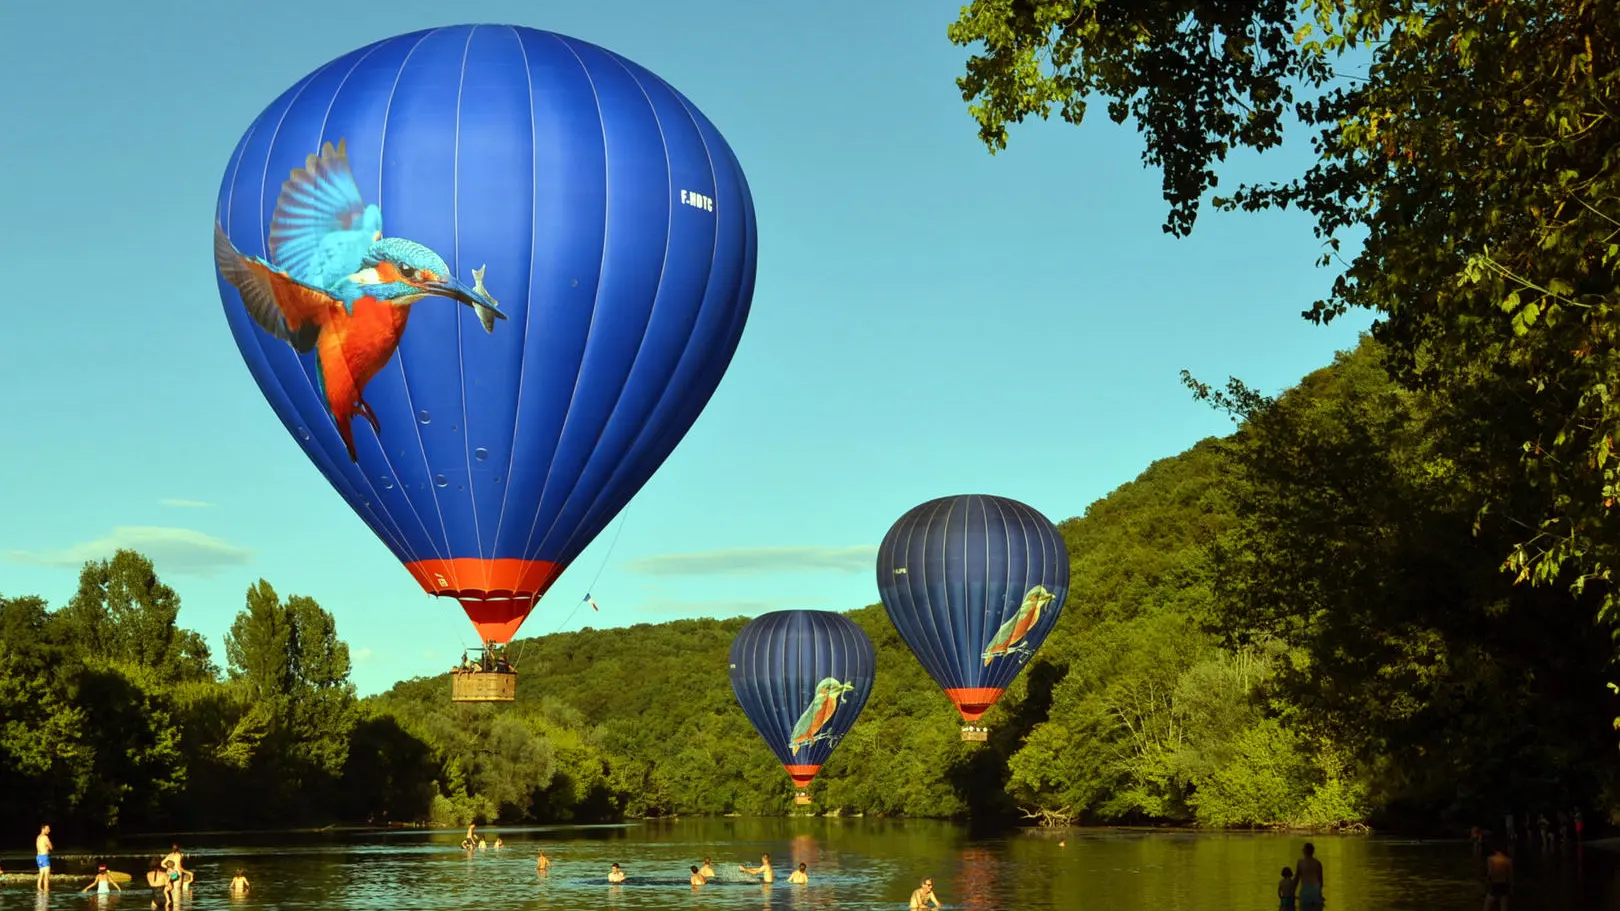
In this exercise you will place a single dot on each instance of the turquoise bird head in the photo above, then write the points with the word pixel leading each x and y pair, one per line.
pixel 403 272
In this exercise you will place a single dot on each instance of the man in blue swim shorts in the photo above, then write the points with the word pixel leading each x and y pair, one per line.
pixel 42 857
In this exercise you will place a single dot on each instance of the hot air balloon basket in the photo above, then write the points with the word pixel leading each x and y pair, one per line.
pixel 483 686
pixel 802 799
pixel 971 734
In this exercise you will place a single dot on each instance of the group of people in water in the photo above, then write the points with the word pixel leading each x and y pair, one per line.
pixel 167 877
pixel 700 875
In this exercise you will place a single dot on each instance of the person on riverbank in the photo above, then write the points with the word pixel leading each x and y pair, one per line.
pixel 923 895
pixel 102 881
pixel 697 877
pixel 707 870
pixel 799 877
pixel 42 858
pixel 1286 890
pixel 542 864
pixel 615 875
pixel 1498 880
pixel 763 870
pixel 1309 873
pixel 240 884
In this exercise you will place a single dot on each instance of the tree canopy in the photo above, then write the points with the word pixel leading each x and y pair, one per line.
pixel 1475 158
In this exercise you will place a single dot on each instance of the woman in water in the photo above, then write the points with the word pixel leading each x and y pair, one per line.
pixel 239 883
pixel 159 883
pixel 615 875
pixel 102 881
pixel 799 877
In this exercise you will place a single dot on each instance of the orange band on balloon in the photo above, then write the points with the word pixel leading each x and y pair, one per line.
pixel 497 594
pixel 802 775
pixel 974 701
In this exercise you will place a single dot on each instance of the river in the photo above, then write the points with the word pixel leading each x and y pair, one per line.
pixel 853 864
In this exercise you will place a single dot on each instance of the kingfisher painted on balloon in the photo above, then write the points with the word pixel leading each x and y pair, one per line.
pixel 336 286
pixel 1009 639
pixel 822 707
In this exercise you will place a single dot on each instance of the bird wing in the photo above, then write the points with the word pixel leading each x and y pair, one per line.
pixel 322 227
pixel 805 729
pixel 287 309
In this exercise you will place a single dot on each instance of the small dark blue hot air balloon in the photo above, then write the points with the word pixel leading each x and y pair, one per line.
pixel 802 678
pixel 973 584
pixel 522 262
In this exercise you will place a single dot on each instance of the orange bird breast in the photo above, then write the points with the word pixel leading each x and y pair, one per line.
pixel 824 713
pixel 355 346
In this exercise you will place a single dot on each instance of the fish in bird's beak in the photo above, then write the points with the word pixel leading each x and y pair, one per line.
pixel 476 297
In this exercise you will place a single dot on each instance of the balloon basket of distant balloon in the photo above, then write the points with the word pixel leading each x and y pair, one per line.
pixel 802 799
pixel 972 734
pixel 483 686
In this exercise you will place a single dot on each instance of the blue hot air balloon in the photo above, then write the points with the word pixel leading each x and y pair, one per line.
pixel 973 584
pixel 487 277
pixel 802 678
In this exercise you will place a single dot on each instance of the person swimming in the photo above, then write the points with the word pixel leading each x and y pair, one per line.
pixel 923 895
pixel 763 870
pixel 615 875
pixel 498 843
pixel 706 871
pixel 799 876
pixel 697 877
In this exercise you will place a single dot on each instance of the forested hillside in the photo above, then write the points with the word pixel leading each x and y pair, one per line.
pixel 1299 624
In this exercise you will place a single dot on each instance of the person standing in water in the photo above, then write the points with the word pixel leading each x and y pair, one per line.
pixel 42 858
pixel 542 864
pixel 707 870
pixel 172 862
pixel 239 883
pixel 923 895
pixel 1498 880
pixel 696 878
pixel 102 881
pixel 799 877
pixel 158 881
pixel 1309 872
pixel 763 870
pixel 1286 889
pixel 615 875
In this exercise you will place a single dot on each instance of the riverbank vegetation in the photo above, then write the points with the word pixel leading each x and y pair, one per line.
pixel 1298 624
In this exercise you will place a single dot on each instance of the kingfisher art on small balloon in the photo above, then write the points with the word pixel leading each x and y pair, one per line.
pixel 521 261
pixel 973 584
pixel 802 678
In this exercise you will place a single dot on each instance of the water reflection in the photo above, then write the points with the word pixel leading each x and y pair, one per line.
pixel 852 863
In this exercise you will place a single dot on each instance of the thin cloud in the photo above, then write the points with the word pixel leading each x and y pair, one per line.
pixel 181 551
pixel 753 561
pixel 178 503
pixel 361 656
pixel 719 609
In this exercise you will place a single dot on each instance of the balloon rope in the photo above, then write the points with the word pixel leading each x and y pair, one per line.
pixel 599 570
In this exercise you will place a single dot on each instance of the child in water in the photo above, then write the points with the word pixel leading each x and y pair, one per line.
pixel 697 878
pixel 1286 890
pixel 101 882
pixel 239 883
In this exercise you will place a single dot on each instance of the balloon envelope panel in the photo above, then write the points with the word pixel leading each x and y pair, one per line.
pixel 802 678
pixel 973 584
pixel 525 260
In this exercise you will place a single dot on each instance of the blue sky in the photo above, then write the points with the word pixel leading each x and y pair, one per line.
pixel 1025 309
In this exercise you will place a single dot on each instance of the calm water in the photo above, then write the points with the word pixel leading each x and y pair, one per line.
pixel 854 864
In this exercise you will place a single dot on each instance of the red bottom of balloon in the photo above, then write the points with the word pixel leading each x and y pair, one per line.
pixel 497 594
pixel 974 701
pixel 802 775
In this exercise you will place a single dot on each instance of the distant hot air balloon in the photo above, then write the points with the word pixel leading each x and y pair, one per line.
pixel 973 584
pixel 521 261
pixel 802 678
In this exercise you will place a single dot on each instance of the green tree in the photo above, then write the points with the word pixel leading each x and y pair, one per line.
pixel 1477 160
pixel 123 612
